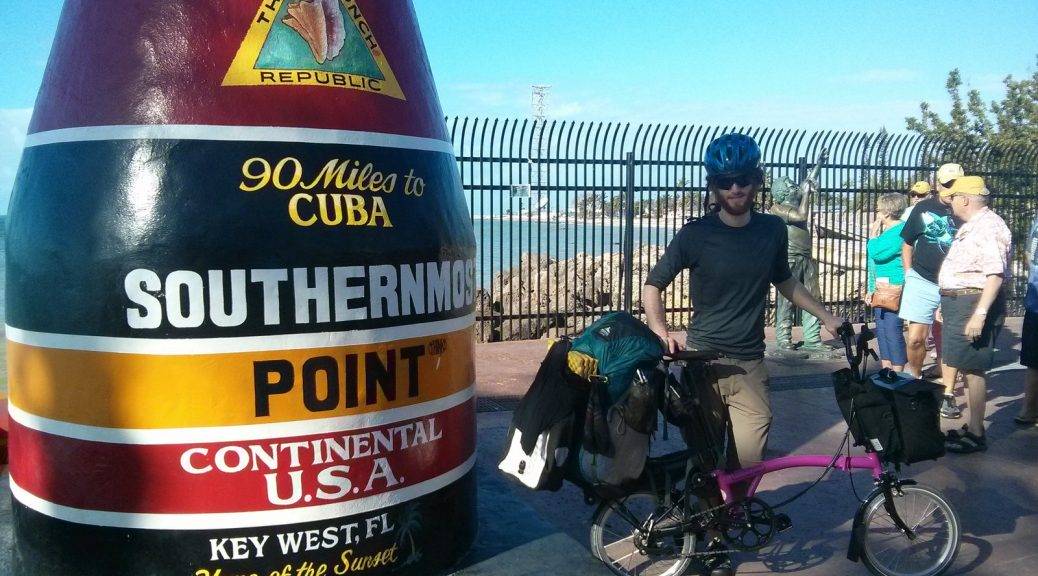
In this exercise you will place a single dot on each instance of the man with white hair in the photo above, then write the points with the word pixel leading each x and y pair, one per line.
pixel 972 301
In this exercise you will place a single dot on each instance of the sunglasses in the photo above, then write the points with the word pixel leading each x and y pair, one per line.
pixel 914 195
pixel 743 180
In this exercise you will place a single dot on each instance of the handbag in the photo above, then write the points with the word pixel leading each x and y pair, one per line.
pixel 887 297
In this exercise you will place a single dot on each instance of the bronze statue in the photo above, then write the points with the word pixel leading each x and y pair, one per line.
pixel 793 204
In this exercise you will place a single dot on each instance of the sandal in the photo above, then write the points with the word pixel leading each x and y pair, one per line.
pixel 954 435
pixel 966 442
pixel 931 373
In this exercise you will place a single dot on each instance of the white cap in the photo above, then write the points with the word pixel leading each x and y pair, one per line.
pixel 948 172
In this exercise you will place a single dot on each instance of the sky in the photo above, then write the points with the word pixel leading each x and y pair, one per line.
pixel 851 65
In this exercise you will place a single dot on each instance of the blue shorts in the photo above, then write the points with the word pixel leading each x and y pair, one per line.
pixel 891 337
pixel 919 299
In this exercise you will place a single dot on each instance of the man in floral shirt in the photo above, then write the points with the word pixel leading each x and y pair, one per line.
pixel 972 302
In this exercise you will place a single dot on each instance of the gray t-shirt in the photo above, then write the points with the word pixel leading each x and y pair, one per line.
pixel 731 270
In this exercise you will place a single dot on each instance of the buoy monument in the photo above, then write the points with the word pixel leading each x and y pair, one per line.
pixel 240 284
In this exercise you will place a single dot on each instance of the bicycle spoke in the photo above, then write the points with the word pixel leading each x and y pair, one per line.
pixel 887 548
pixel 887 521
pixel 925 515
pixel 620 541
pixel 897 564
pixel 624 535
pixel 624 557
pixel 625 514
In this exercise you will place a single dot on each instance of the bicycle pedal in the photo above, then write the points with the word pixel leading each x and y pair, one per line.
pixel 782 522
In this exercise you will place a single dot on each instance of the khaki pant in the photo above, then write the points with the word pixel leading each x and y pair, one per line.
pixel 736 393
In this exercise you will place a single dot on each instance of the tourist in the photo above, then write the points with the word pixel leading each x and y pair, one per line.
pixel 919 191
pixel 927 235
pixel 1029 333
pixel 885 271
pixel 972 301
pixel 735 254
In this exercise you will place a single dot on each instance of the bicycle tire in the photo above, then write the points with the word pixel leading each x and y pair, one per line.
pixel 612 539
pixel 885 549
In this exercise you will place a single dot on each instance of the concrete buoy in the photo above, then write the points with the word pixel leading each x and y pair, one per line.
pixel 240 283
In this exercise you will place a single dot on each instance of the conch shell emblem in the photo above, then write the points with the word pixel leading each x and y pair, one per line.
pixel 320 23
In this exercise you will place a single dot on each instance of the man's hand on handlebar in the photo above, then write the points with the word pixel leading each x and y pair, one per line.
pixel 669 343
pixel 833 323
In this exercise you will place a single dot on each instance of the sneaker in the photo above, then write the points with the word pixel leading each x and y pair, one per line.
pixel 721 564
pixel 1026 421
pixel 949 409
pixel 966 443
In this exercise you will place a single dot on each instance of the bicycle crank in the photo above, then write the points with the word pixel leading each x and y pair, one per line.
pixel 748 524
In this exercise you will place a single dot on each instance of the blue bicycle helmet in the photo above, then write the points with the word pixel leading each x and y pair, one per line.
pixel 731 154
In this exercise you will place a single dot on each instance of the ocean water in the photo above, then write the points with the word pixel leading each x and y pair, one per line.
pixel 500 244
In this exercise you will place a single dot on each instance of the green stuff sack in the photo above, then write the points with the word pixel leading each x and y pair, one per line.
pixel 621 343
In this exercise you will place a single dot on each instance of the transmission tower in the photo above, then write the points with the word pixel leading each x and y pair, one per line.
pixel 538 169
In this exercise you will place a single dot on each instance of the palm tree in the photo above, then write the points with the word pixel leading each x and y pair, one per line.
pixel 410 521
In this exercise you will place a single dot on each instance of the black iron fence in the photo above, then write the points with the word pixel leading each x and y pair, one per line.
pixel 570 216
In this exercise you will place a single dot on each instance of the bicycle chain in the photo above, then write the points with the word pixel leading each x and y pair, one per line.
pixel 711 552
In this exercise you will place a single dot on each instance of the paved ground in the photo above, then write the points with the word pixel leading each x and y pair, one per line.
pixel 530 533
pixel 995 493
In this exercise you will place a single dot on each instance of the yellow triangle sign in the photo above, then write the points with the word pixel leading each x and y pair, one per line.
pixel 312 43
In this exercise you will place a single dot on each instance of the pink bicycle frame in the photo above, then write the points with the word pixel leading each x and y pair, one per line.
pixel 753 474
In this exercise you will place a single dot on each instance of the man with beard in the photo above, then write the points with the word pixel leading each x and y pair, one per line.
pixel 734 255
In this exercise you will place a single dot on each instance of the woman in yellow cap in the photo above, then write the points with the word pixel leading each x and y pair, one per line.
pixel 919 191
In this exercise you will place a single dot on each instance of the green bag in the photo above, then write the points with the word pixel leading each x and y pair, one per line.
pixel 621 343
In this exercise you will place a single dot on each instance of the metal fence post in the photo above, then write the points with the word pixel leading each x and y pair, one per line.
pixel 628 249
pixel 543 267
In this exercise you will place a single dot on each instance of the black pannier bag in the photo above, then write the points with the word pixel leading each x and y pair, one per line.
pixel 896 417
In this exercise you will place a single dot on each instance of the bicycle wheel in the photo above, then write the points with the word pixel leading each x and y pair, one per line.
pixel 888 552
pixel 617 538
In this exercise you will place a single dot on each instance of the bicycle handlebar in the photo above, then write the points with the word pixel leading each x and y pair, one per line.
pixel 861 344
pixel 692 356
pixel 846 334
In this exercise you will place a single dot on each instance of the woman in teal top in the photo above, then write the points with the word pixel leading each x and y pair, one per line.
pixel 884 254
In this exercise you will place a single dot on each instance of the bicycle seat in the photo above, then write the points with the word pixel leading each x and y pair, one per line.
pixel 694 355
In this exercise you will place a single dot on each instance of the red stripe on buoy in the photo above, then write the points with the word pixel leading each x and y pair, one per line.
pixel 251 475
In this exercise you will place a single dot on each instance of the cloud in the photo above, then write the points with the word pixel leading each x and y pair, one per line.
pixel 874 76
pixel 14 122
pixel 990 86
pixel 507 99
pixel 639 105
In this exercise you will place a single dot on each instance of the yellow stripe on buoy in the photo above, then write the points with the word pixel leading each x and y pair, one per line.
pixel 163 391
